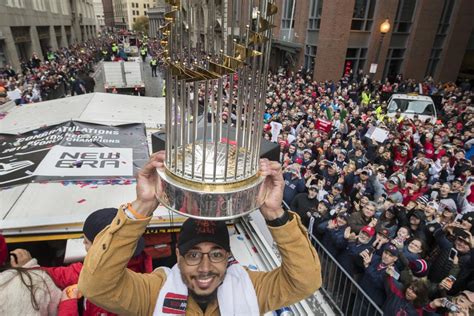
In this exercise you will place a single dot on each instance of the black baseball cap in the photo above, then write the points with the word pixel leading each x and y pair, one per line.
pixel 102 218
pixel 196 231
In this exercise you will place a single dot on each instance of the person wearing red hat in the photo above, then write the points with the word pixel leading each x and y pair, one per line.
pixel 350 258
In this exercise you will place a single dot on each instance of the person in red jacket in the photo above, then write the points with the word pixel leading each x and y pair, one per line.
pixel 67 277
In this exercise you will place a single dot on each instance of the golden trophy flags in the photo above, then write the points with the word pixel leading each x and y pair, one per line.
pixel 271 9
pixel 256 38
pixel 241 52
pixel 171 15
pixel 232 62
pixel 220 69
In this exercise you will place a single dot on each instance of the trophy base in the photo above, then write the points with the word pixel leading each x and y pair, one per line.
pixel 209 201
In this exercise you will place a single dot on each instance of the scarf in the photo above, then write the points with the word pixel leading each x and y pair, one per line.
pixel 236 295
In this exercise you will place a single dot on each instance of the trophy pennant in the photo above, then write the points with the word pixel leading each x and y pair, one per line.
pixel 242 52
pixel 256 38
pixel 220 69
pixel 206 73
pixel 272 9
pixel 232 62
pixel 171 15
pixel 264 25
pixel 174 2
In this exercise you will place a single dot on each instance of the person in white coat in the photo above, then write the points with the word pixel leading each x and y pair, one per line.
pixel 26 290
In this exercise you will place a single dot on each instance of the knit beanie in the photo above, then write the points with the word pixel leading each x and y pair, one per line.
pixel 102 218
pixel 419 268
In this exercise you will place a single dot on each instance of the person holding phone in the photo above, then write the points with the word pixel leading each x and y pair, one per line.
pixel 402 300
pixel 450 253
pixel 372 281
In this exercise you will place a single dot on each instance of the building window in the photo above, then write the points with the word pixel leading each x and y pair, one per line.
pixel 144 13
pixel 446 16
pixel 404 17
pixel 287 20
pixel 3 58
pixel 144 6
pixel 355 59
pixel 363 16
pixel 310 57
pixel 315 14
pixel 394 61
pixel 441 33
pixel 134 19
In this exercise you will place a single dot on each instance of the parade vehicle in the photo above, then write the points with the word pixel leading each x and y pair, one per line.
pixel 412 106
pixel 130 45
pixel 130 42
pixel 46 216
pixel 123 77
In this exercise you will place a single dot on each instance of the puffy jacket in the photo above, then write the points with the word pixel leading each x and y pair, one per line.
pixel 15 297
pixel 69 275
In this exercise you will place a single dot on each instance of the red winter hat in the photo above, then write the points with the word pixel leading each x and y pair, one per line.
pixel 3 251
pixel 369 230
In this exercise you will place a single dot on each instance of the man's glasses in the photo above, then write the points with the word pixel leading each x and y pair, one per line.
pixel 194 257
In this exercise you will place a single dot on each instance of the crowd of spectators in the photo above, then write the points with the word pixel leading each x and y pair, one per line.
pixel 65 72
pixel 397 214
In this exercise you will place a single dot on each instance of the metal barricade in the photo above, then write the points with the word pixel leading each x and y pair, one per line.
pixel 341 289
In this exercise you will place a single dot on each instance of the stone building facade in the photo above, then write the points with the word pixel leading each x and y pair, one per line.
pixel 28 26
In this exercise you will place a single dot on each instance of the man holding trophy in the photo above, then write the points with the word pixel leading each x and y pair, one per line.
pixel 210 171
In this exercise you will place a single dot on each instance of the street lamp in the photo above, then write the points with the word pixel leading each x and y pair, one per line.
pixel 384 29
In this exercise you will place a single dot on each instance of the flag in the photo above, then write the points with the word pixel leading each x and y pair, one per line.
pixel 256 38
pixel 220 69
pixel 271 9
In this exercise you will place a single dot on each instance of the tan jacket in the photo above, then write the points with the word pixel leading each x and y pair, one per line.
pixel 107 283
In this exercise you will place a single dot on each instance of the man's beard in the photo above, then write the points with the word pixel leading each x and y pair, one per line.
pixel 203 299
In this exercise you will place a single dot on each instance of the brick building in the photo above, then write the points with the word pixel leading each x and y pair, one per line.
pixel 426 37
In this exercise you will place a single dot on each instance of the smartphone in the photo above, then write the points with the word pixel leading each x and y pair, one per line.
pixel 452 254
pixel 370 250
pixel 394 274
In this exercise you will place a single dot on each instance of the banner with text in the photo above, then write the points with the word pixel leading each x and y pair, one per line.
pixel 72 151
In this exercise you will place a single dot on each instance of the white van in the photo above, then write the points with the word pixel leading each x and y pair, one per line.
pixel 410 105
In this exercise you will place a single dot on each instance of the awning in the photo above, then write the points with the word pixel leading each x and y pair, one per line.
pixel 290 47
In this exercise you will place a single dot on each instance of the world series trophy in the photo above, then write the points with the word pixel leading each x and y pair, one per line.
pixel 217 55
